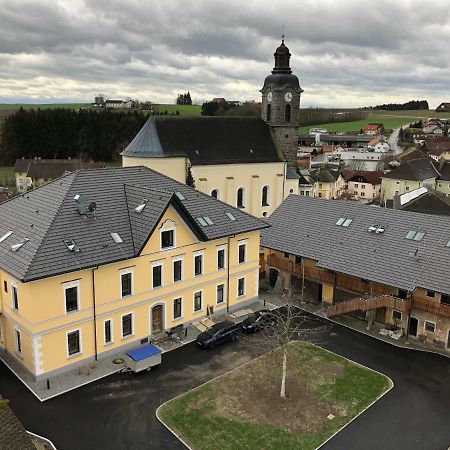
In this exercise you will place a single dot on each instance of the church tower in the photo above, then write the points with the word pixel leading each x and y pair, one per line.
pixel 281 104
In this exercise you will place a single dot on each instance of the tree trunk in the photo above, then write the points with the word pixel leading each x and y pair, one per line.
pixel 283 376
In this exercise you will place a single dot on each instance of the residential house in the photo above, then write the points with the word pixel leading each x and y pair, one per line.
pixel 361 184
pixel 115 104
pixel 324 182
pixel 242 161
pixel 101 261
pixel 362 160
pixel 443 107
pixel 410 154
pixel 434 129
pixel 438 148
pixel 385 266
pixel 423 200
pixel 443 183
pixel 419 137
pixel 35 172
pixel 407 177
pixel 306 183
pixel 372 129
pixel 382 147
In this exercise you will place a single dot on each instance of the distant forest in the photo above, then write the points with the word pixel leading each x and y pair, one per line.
pixel 64 133
pixel 413 104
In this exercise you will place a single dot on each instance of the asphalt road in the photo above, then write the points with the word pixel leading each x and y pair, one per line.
pixel 393 142
pixel 118 412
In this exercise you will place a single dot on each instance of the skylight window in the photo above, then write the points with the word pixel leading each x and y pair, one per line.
pixel 72 246
pixel 202 221
pixel 347 222
pixel 141 206
pixel 415 235
pixel 372 228
pixel 378 229
pixel 230 216
pixel 180 196
pixel 448 244
pixel 208 220
pixel 19 245
pixel 340 221
pixel 116 237
pixel 6 236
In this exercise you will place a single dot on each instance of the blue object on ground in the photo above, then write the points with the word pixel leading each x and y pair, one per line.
pixel 138 354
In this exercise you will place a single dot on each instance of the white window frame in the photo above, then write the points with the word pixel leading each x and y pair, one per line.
pixel 132 325
pixel 80 350
pixel 193 301
pixel 14 288
pixel 124 272
pixel 269 199
pixel 174 260
pixel 244 243
pixel 175 319
pixel 202 254
pixel 245 287
pixel 17 332
pixel 224 293
pixel 218 193
pixel 244 197
pixel 168 228
pixel 425 326
pixel 69 285
pixel 156 264
pixel 218 249
pixel 110 320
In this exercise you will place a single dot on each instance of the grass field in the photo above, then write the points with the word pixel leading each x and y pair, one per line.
pixel 243 410
pixel 417 114
pixel 16 106
pixel 389 121
pixel 184 110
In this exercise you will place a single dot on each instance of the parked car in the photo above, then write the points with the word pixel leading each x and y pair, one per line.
pixel 258 320
pixel 218 334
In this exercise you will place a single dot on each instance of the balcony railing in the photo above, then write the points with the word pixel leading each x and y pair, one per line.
pixel 312 273
pixel 368 303
pixel 432 307
pixel 361 287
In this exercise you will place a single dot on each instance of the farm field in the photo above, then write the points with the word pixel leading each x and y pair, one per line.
pixel 243 410
pixel 417 114
pixel 184 110
pixel 388 120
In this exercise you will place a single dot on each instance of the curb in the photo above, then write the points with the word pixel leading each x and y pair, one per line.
pixel 44 439
pixel 391 386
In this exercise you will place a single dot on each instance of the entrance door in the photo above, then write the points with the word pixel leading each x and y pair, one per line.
pixel 413 324
pixel 448 339
pixel 157 319
pixel 319 294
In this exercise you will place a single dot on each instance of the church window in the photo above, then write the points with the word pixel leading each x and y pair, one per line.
pixel 265 195
pixel 241 198
pixel 287 113
pixel 269 113
pixel 215 193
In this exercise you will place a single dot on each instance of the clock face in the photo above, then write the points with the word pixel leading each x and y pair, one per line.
pixel 288 96
pixel 269 96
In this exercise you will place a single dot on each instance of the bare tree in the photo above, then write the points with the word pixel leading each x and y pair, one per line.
pixel 287 324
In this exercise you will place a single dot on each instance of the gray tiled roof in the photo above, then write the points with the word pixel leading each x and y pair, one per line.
pixel 206 140
pixel 307 227
pixel 416 170
pixel 47 216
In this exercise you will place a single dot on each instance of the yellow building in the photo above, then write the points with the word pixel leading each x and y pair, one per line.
pixel 407 177
pixel 247 162
pixel 100 261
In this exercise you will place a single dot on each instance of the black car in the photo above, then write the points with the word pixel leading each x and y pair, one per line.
pixel 218 334
pixel 258 320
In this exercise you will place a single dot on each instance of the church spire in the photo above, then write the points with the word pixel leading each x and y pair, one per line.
pixel 282 58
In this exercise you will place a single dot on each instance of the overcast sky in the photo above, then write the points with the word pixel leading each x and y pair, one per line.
pixel 345 52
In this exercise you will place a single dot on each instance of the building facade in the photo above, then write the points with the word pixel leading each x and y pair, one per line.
pixel 116 257
pixel 379 270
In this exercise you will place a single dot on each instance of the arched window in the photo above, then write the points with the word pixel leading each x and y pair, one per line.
pixel 241 198
pixel 215 193
pixel 287 113
pixel 269 113
pixel 265 196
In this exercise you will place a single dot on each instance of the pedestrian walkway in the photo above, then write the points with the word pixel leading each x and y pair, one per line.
pixel 353 323
pixel 48 388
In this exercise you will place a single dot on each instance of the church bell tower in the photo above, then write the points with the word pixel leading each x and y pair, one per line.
pixel 281 104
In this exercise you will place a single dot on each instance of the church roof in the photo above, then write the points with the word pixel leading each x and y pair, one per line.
pixel 206 140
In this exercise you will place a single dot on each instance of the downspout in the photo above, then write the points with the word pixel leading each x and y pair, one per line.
pixel 95 313
pixel 408 296
pixel 284 182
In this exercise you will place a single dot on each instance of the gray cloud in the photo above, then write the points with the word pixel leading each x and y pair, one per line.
pixel 346 53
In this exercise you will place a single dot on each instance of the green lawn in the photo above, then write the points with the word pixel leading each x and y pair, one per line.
pixel 417 114
pixel 389 121
pixel 184 110
pixel 16 106
pixel 243 410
